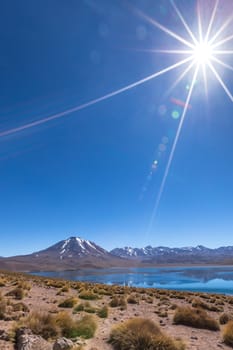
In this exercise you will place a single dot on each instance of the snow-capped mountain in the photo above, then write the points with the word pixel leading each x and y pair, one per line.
pixel 77 253
pixel 73 247
pixel 166 254
pixel 70 254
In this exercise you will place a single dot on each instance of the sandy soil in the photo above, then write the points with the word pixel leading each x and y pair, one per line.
pixel 43 294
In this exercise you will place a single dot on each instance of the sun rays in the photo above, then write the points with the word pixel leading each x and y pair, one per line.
pixel 202 54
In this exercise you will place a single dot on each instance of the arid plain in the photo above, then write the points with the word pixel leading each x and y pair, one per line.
pixel 95 317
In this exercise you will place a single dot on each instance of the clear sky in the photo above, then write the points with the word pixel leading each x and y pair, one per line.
pixel 97 172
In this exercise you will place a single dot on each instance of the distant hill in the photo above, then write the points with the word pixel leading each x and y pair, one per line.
pixel 187 255
pixel 77 253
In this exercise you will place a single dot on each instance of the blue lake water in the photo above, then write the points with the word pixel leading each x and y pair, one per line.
pixel 203 279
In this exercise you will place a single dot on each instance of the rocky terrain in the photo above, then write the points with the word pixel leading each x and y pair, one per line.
pixel 56 314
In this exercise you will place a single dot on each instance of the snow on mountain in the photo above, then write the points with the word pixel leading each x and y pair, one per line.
pixel 171 253
pixel 74 247
pixel 77 247
pixel 76 252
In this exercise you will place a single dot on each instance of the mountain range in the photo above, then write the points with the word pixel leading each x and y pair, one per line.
pixel 76 253
pixel 188 255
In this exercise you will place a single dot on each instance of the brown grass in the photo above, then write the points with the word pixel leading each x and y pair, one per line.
pixel 196 318
pixel 199 303
pixel 88 295
pixel 228 334
pixel 68 303
pixel 2 308
pixel 17 293
pixel 224 318
pixel 42 323
pixel 141 334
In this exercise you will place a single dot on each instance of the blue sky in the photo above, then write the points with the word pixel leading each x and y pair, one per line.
pixel 91 173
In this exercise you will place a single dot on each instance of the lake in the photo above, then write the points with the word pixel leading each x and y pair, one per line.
pixel 203 279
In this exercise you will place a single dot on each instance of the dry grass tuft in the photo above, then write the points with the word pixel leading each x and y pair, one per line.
pixel 84 307
pixel 42 323
pixel 196 318
pixel 20 307
pixel 3 305
pixel 115 302
pixel 224 318
pixel 88 295
pixel 197 302
pixel 141 334
pixel 68 303
pixel 103 312
pixel 2 282
pixel 71 328
pixel 228 334
pixel 17 293
pixel 63 324
pixel 132 300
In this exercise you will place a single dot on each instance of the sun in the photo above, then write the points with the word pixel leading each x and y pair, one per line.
pixel 203 53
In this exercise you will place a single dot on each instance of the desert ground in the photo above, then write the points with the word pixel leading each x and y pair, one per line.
pixel 53 308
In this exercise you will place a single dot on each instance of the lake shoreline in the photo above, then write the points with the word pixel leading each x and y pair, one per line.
pixel 211 279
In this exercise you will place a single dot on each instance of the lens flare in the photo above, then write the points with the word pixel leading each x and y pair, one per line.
pixel 204 51
pixel 200 53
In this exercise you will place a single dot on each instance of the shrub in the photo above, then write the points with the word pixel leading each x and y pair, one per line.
pixel 102 291
pixel 90 309
pixel 86 327
pixel 149 300
pixel 54 283
pixel 66 324
pixel 173 306
pixel 2 309
pixel 196 318
pixel 199 303
pixel 65 288
pixel 17 293
pixel 24 285
pixel 114 302
pixel 41 323
pixel 69 303
pixel 132 300
pixel 224 318
pixel 79 307
pixel 141 334
pixel 122 304
pixel 88 295
pixel 84 307
pixel 70 328
pixel 20 307
pixel 2 282
pixel 162 313
pixel 103 312
pixel 228 334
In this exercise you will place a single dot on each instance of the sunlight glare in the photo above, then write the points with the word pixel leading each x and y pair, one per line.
pixel 200 52
pixel 203 53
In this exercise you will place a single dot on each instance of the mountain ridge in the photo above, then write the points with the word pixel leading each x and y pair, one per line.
pixel 163 254
pixel 76 253
pixel 149 250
